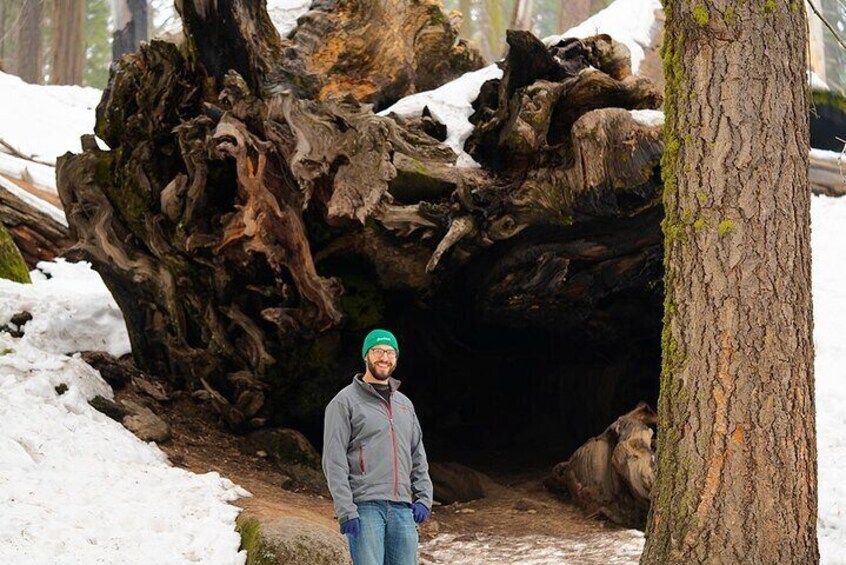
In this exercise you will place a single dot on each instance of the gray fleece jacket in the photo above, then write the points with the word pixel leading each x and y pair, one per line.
pixel 373 450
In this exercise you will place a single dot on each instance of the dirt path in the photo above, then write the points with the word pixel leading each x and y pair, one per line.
pixel 518 522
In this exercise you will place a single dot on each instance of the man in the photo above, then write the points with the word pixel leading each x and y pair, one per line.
pixel 374 461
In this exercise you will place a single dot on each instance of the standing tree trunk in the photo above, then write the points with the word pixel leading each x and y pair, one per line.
pixel 571 13
pixel 68 42
pixel 130 17
pixel 521 15
pixel 736 479
pixel 29 42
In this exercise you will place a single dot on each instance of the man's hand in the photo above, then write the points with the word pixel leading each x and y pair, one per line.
pixel 420 512
pixel 351 527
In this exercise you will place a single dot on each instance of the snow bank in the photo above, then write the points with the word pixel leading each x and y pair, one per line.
pixel 45 121
pixel 628 21
pixel 72 310
pixel 828 237
pixel 77 487
pixel 452 105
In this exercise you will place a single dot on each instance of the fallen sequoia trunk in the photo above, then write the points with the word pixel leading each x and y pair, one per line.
pixel 252 224
pixel 38 236
pixel 611 475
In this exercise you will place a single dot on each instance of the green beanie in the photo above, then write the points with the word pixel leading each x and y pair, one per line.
pixel 379 337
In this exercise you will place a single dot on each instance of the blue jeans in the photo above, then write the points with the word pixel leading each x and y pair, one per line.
pixel 388 534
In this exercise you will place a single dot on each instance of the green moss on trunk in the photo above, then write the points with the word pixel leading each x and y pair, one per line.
pixel 12 265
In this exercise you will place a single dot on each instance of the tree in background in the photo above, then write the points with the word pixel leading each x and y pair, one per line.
pixel 736 479
pixel 68 42
pixel 485 21
pixel 98 53
pixel 130 21
pixel 9 13
pixel 834 12
pixel 29 65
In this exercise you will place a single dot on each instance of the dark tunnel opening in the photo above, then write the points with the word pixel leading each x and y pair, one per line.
pixel 499 394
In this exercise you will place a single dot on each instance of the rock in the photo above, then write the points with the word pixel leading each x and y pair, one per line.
pixel 117 374
pixel 284 446
pixel 290 541
pixel 15 326
pixel 301 478
pixel 111 409
pixel 144 423
pixel 529 505
pixel 454 482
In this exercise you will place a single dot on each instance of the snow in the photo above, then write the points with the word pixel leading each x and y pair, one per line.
pixel 828 238
pixel 34 201
pixel 816 82
pixel 631 22
pixel 72 310
pixel 452 105
pixel 826 155
pixel 76 486
pixel 628 21
pixel 614 547
pixel 45 121
pixel 43 176
pixel 648 117
pixel 284 14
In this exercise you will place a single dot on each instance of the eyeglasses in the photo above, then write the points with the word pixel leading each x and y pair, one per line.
pixel 379 353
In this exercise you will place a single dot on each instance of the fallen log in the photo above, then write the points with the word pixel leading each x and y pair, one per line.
pixel 38 235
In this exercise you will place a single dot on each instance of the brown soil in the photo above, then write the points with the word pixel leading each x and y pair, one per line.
pixel 515 505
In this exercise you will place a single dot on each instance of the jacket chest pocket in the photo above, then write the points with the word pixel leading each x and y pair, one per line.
pixel 368 422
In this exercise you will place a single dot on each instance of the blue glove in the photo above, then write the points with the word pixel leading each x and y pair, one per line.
pixel 351 527
pixel 420 512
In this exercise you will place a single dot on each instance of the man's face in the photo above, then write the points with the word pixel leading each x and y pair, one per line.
pixel 381 361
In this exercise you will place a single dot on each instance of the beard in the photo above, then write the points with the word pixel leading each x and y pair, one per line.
pixel 379 373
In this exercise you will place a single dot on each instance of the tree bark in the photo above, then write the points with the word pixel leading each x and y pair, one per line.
pixel 68 42
pixel 37 235
pixel 130 17
pixel 29 42
pixel 736 479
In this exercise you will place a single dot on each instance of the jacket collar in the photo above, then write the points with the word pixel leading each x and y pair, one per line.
pixel 358 379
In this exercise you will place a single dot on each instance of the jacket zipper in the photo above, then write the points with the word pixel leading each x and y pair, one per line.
pixel 393 440
pixel 393 447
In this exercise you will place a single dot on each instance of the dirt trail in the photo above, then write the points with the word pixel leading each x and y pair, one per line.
pixel 518 522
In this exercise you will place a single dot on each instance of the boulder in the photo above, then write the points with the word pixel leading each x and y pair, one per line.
pixel 290 541
pixel 455 482
pixel 144 423
pixel 284 447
